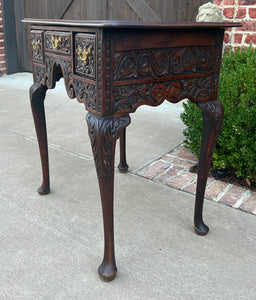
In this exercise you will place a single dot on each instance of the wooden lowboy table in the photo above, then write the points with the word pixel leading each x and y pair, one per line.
pixel 113 68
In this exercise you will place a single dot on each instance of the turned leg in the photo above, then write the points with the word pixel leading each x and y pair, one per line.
pixel 213 114
pixel 123 167
pixel 103 133
pixel 37 96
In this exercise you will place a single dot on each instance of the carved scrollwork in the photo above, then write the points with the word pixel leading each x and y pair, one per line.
pixel 52 67
pixel 66 68
pixel 86 93
pixel 126 67
pixel 158 92
pixel 127 98
pixel 38 74
pixel 191 60
pixel 152 63
pixel 85 54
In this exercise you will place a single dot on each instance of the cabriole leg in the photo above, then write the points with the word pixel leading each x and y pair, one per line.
pixel 213 114
pixel 37 96
pixel 123 167
pixel 103 133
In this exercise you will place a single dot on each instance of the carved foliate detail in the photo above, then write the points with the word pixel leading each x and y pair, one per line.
pixel 66 68
pixel 48 69
pixel 103 133
pixel 86 92
pixel 213 113
pixel 151 63
pixel 36 38
pixel 58 42
pixel 38 74
pixel 85 55
pixel 127 98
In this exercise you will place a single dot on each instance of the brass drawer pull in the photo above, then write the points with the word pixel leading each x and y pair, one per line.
pixel 56 42
pixel 36 46
pixel 85 55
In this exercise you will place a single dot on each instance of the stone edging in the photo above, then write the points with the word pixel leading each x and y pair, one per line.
pixel 172 170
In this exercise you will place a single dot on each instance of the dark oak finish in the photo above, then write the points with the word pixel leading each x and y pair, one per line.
pixel 113 68
pixel 123 167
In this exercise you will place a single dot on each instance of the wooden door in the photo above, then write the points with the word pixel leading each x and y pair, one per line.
pixel 131 10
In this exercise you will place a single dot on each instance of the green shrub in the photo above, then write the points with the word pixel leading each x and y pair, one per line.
pixel 236 146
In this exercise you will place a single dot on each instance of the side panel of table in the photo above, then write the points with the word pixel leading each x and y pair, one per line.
pixel 150 67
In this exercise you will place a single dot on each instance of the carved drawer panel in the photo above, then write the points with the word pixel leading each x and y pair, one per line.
pixel 36 37
pixel 58 42
pixel 85 50
pixel 151 63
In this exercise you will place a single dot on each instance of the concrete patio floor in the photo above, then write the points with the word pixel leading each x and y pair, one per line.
pixel 51 246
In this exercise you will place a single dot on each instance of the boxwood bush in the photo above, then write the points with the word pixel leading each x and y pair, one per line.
pixel 236 145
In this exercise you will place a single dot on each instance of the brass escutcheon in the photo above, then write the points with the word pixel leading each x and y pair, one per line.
pixel 36 46
pixel 84 55
pixel 56 42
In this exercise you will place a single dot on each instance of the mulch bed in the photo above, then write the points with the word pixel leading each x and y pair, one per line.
pixel 229 177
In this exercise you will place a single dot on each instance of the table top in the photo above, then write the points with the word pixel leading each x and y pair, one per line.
pixel 129 24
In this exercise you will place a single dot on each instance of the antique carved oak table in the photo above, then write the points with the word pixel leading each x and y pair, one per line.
pixel 113 67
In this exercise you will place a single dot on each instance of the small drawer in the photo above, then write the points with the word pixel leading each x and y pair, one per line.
pixel 85 54
pixel 59 42
pixel 37 43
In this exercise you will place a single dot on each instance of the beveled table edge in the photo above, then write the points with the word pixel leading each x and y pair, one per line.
pixel 130 24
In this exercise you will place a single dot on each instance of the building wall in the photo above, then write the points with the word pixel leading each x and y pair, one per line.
pixel 2 53
pixel 243 11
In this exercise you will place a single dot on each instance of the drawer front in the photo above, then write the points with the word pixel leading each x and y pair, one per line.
pixel 85 55
pixel 59 42
pixel 37 43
